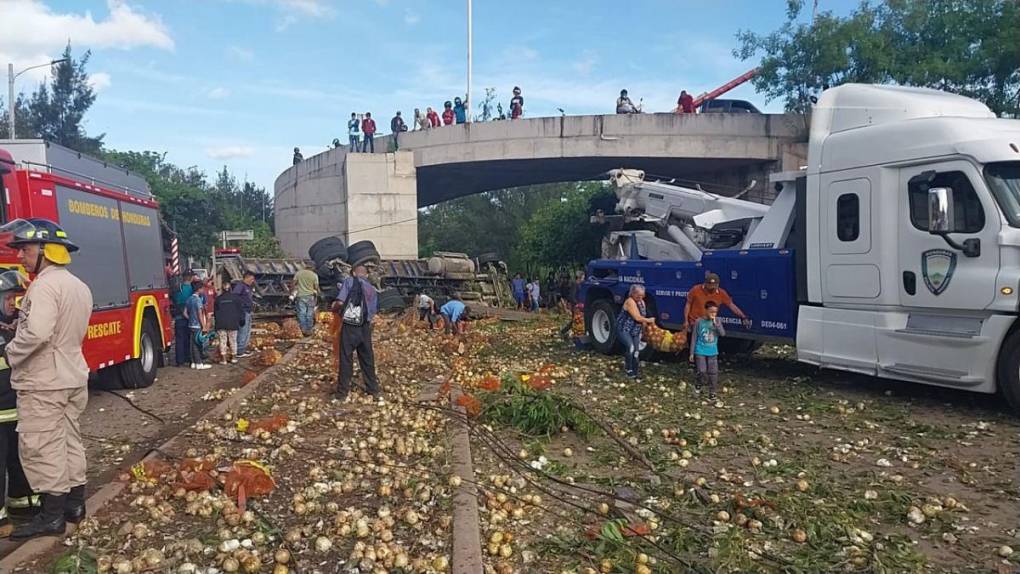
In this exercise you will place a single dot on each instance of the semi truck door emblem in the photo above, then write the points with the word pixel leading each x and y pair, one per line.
pixel 937 267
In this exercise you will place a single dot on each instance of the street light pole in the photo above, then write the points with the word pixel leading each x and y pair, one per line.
pixel 11 76
pixel 10 100
pixel 469 48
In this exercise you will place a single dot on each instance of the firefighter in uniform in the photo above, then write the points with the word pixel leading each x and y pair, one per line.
pixel 15 493
pixel 50 375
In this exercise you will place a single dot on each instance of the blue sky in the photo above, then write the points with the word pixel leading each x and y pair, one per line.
pixel 241 82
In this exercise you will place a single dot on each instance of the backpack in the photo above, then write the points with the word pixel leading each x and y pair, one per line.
pixel 354 307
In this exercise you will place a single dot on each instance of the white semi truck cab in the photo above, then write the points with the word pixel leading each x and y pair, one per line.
pixel 904 234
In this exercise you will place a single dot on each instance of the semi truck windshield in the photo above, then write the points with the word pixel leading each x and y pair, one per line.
pixel 1004 181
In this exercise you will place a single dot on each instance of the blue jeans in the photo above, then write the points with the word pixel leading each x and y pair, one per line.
pixel 182 342
pixel 355 144
pixel 369 143
pixel 631 350
pixel 244 334
pixel 305 307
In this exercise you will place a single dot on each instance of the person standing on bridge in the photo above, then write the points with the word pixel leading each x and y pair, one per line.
pixel 298 158
pixel 368 128
pixel 397 126
pixel 354 133
pixel 624 105
pixel 50 376
pixel 433 117
pixel 516 104
pixel 460 110
pixel 448 115
pixel 685 103
pixel 420 121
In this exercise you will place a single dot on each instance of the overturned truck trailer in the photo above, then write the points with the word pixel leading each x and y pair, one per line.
pixel 441 276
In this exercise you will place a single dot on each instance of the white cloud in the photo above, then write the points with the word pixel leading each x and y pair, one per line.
pixel 30 26
pixel 314 8
pixel 410 18
pixel 32 33
pixel 229 152
pixel 239 53
pixel 218 93
pixel 99 81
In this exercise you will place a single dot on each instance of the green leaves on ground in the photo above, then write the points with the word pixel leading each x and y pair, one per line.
pixel 533 412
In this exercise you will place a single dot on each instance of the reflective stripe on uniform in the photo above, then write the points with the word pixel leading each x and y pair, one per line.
pixel 24 501
pixel 9 416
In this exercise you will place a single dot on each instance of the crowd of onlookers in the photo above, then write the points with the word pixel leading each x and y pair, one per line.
pixel 361 128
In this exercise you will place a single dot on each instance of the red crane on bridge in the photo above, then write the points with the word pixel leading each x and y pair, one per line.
pixel 742 78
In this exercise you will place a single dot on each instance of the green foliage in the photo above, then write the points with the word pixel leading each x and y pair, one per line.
pixel 534 228
pixel 533 412
pixel 561 234
pixel 197 211
pixel 483 223
pixel 970 47
pixel 77 561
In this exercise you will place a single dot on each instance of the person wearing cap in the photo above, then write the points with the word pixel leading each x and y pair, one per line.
pixel 15 493
pixel 50 376
pixel 699 295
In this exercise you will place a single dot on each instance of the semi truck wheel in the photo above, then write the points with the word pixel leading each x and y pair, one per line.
pixel 327 249
pixel 1008 371
pixel 600 322
pixel 362 252
pixel 141 372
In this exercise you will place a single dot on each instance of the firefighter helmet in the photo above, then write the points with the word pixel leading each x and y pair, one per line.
pixel 13 280
pixel 37 230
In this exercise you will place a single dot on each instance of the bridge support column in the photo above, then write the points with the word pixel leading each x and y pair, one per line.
pixel 382 202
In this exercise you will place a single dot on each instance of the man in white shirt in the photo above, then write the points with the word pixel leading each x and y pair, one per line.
pixel 426 309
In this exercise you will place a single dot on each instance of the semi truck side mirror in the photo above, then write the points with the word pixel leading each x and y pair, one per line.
pixel 941 221
pixel 940 210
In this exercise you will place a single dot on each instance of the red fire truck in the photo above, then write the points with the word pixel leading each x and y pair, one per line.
pixel 112 216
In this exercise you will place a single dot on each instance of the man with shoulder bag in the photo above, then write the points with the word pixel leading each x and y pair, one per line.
pixel 357 302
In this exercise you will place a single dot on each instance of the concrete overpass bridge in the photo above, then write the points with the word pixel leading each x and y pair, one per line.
pixel 376 196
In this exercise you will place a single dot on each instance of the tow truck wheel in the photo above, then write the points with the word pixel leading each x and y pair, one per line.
pixel 141 372
pixel 600 322
pixel 1008 376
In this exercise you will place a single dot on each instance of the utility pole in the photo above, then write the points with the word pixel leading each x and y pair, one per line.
pixel 10 100
pixel 469 63
pixel 11 76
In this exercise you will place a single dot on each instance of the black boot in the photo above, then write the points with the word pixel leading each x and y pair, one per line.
pixel 74 508
pixel 49 522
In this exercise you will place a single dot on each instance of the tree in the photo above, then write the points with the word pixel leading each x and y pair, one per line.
pixel 57 108
pixel 486 105
pixel 483 223
pixel 970 47
pixel 22 120
pixel 561 233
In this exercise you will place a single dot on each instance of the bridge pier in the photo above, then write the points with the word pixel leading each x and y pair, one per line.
pixel 358 196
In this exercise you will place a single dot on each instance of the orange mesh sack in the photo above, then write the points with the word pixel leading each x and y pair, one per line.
pixel 271 424
pixel 268 357
pixel 291 329
pixel 246 479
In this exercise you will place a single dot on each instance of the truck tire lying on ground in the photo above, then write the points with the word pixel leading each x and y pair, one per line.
pixel 326 249
pixel 362 252
pixel 141 372
pixel 600 323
